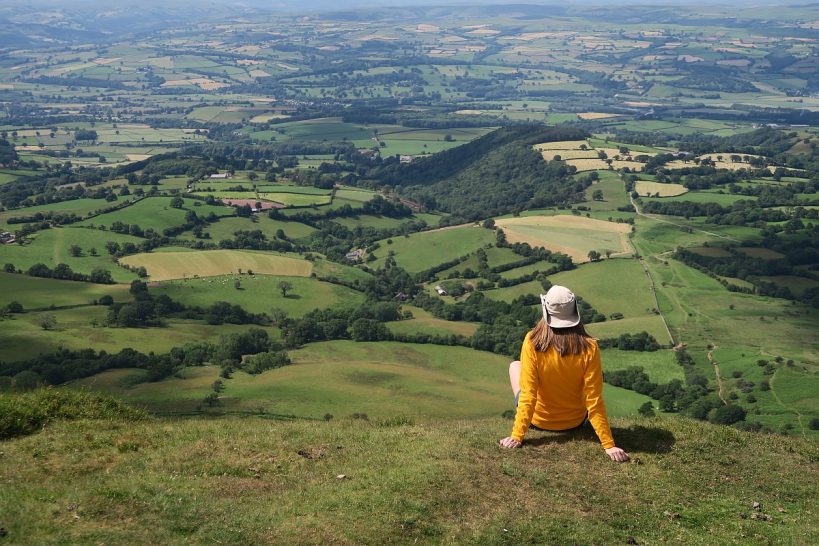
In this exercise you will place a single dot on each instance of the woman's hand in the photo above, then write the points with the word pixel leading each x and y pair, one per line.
pixel 617 454
pixel 511 442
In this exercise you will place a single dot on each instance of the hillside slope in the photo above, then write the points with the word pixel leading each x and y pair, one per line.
pixel 252 481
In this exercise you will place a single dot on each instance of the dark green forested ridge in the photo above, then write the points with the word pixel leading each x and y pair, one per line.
pixel 495 174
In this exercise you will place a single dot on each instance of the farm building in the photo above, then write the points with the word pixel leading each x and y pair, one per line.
pixel 355 255
pixel 221 176
pixel 440 290
pixel 405 158
pixel 6 238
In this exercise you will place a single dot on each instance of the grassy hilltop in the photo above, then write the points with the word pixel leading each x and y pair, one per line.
pixel 126 479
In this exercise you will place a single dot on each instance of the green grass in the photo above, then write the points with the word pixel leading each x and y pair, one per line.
pixel 51 246
pixel 355 194
pixel 36 293
pixel 156 213
pixel 661 366
pixel 242 481
pixel 616 286
pixel 614 192
pixel 423 250
pixel 80 207
pixel 723 199
pixel 296 199
pixel 744 327
pixel 423 322
pixel 226 227
pixel 22 337
pixel 260 293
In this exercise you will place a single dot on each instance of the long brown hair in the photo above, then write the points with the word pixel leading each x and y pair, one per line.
pixel 571 340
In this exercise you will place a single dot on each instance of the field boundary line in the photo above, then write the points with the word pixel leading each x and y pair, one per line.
pixel 787 408
pixel 654 217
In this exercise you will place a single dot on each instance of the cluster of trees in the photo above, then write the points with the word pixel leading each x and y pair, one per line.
pixel 228 352
pixel 751 269
pixel 694 399
pixel 642 341
pixel 64 272
pixel 148 310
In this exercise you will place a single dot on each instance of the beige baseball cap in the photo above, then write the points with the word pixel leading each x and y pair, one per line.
pixel 560 307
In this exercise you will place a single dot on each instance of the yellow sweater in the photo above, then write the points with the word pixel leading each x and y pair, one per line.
pixel 556 391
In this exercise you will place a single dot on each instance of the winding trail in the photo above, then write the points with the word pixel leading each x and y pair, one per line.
pixel 652 285
pixel 721 389
pixel 58 246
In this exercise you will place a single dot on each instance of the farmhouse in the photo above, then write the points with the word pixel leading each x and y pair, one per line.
pixel 440 290
pixel 355 255
pixel 405 159
pixel 7 238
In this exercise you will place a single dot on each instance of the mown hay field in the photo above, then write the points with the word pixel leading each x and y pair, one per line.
pixel 163 266
pixel 549 155
pixel 626 164
pixel 574 236
pixel 596 115
pixel 296 199
pixel 587 164
pixel 646 188
pixel 561 145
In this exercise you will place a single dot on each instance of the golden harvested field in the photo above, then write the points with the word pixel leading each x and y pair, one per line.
pixel 730 165
pixel 596 115
pixel 561 145
pixel 574 236
pixel 588 164
pixel 631 165
pixel 647 189
pixel 549 155
pixel 163 266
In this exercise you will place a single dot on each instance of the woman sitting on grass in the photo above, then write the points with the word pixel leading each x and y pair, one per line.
pixel 558 381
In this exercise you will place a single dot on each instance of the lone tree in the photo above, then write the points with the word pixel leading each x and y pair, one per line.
pixel 48 322
pixel 594 255
pixel 646 410
pixel 597 195
pixel 285 287
pixel 177 202
pixel 75 251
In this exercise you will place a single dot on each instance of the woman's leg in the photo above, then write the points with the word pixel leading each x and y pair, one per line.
pixel 514 376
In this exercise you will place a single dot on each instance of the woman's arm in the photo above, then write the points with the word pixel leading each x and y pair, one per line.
pixel 593 390
pixel 528 395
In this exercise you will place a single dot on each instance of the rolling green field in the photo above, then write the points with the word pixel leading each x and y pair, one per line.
pixel 51 247
pixel 22 337
pixel 38 293
pixel 260 293
pixel 423 322
pixel 633 296
pixel 225 228
pixel 156 213
pixel 80 207
pixel 423 250
pixel 381 380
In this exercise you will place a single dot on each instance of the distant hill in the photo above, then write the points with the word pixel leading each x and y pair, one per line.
pixel 494 174
pixel 257 481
